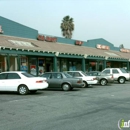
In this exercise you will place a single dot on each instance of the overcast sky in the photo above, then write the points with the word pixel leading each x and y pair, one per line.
pixel 108 19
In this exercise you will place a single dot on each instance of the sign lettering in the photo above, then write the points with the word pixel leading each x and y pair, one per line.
pixel 79 43
pixel 50 39
pixel 125 50
pixel 47 38
pixel 103 47
pixel 41 38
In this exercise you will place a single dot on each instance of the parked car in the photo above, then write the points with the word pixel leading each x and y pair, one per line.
pixel 62 80
pixel 87 80
pixel 21 82
pixel 102 77
pixel 119 74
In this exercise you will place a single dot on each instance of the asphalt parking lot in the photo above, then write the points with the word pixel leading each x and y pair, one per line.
pixel 94 108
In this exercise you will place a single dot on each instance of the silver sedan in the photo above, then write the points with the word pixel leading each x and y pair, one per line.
pixel 62 80
pixel 102 77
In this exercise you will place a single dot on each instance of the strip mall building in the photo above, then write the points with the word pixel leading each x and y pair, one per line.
pixel 23 48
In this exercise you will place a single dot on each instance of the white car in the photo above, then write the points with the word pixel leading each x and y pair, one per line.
pixel 119 74
pixel 21 82
pixel 87 80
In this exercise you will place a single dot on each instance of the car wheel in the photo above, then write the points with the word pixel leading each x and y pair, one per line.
pixel 121 80
pixel 33 91
pixel 84 84
pixel 66 87
pixel 103 82
pixel 23 90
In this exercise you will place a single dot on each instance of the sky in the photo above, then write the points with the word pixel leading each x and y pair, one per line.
pixel 93 19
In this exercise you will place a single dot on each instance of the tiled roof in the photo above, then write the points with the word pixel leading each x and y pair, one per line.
pixel 60 47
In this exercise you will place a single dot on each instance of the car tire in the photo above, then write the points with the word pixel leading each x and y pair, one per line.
pixel 66 87
pixel 23 89
pixel 121 80
pixel 33 91
pixel 103 82
pixel 84 84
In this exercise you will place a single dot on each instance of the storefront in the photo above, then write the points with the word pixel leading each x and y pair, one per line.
pixel 36 54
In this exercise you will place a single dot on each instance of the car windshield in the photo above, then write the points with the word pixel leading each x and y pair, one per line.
pixel 123 70
pixel 67 75
pixel 84 73
pixel 27 75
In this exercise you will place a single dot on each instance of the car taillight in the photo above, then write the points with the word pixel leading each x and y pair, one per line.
pixel 79 81
pixel 39 81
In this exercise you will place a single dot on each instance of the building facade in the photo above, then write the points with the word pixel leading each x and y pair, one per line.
pixel 23 48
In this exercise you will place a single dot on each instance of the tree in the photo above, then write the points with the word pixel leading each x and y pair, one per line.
pixel 121 46
pixel 67 26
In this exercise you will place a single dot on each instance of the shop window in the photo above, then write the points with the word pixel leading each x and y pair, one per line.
pixel 78 66
pixel 13 63
pixel 92 66
pixel 124 65
pixel 64 65
pixel 3 64
pixel 24 64
pixel 72 66
pixel 32 66
pixel 108 65
pixel 49 65
pixel 41 65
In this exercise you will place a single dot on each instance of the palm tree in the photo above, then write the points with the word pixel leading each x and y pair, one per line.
pixel 67 26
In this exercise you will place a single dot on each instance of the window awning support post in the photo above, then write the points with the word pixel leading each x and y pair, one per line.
pixel 83 65
pixel 128 65
pixel 8 62
pixel 18 63
pixel 97 67
pixel 55 64
pixel 104 64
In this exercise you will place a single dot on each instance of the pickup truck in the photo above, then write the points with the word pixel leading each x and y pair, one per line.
pixel 119 74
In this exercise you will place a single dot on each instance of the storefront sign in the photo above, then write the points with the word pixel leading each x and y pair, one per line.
pixel 103 47
pixel 93 63
pixel 125 50
pixel 78 43
pixel 50 39
pixel 41 38
pixel 47 38
pixel 1 31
